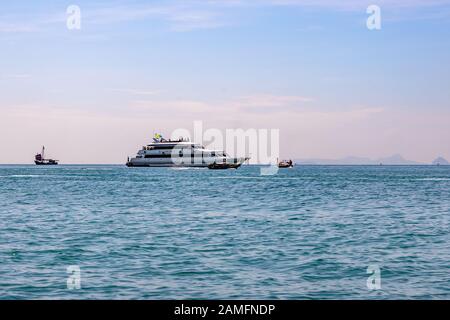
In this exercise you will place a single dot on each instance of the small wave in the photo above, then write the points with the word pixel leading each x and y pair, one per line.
pixel 433 179
pixel 259 177
pixel 24 176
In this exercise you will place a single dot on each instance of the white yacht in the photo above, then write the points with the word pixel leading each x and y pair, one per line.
pixel 182 153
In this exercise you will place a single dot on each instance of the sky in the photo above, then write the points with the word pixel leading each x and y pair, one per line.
pixel 311 69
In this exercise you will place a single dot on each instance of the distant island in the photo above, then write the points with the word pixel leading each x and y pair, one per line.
pixel 440 161
pixel 396 159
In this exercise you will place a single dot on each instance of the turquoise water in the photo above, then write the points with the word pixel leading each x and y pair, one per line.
pixel 306 233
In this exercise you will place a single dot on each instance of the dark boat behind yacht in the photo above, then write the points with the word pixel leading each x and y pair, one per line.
pixel 226 165
pixel 40 160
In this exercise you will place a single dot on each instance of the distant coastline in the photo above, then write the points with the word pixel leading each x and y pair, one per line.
pixel 395 160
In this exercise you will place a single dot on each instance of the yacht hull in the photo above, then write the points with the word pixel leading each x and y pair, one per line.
pixel 232 162
pixel 164 165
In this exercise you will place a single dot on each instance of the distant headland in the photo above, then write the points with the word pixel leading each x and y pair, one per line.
pixel 396 159
pixel 440 161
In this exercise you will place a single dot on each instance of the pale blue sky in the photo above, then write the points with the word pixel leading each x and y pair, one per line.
pixel 310 68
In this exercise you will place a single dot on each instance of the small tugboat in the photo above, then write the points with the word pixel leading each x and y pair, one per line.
pixel 39 160
pixel 285 164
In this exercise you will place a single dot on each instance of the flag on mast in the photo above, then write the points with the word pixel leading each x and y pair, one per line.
pixel 157 138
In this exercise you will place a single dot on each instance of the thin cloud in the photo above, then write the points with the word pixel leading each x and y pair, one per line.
pixel 261 103
pixel 138 92
pixel 17 28
pixel 271 100
pixel 17 76
pixel 180 16
pixel 341 4
pixel 172 106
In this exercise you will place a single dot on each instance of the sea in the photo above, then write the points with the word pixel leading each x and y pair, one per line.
pixel 311 232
